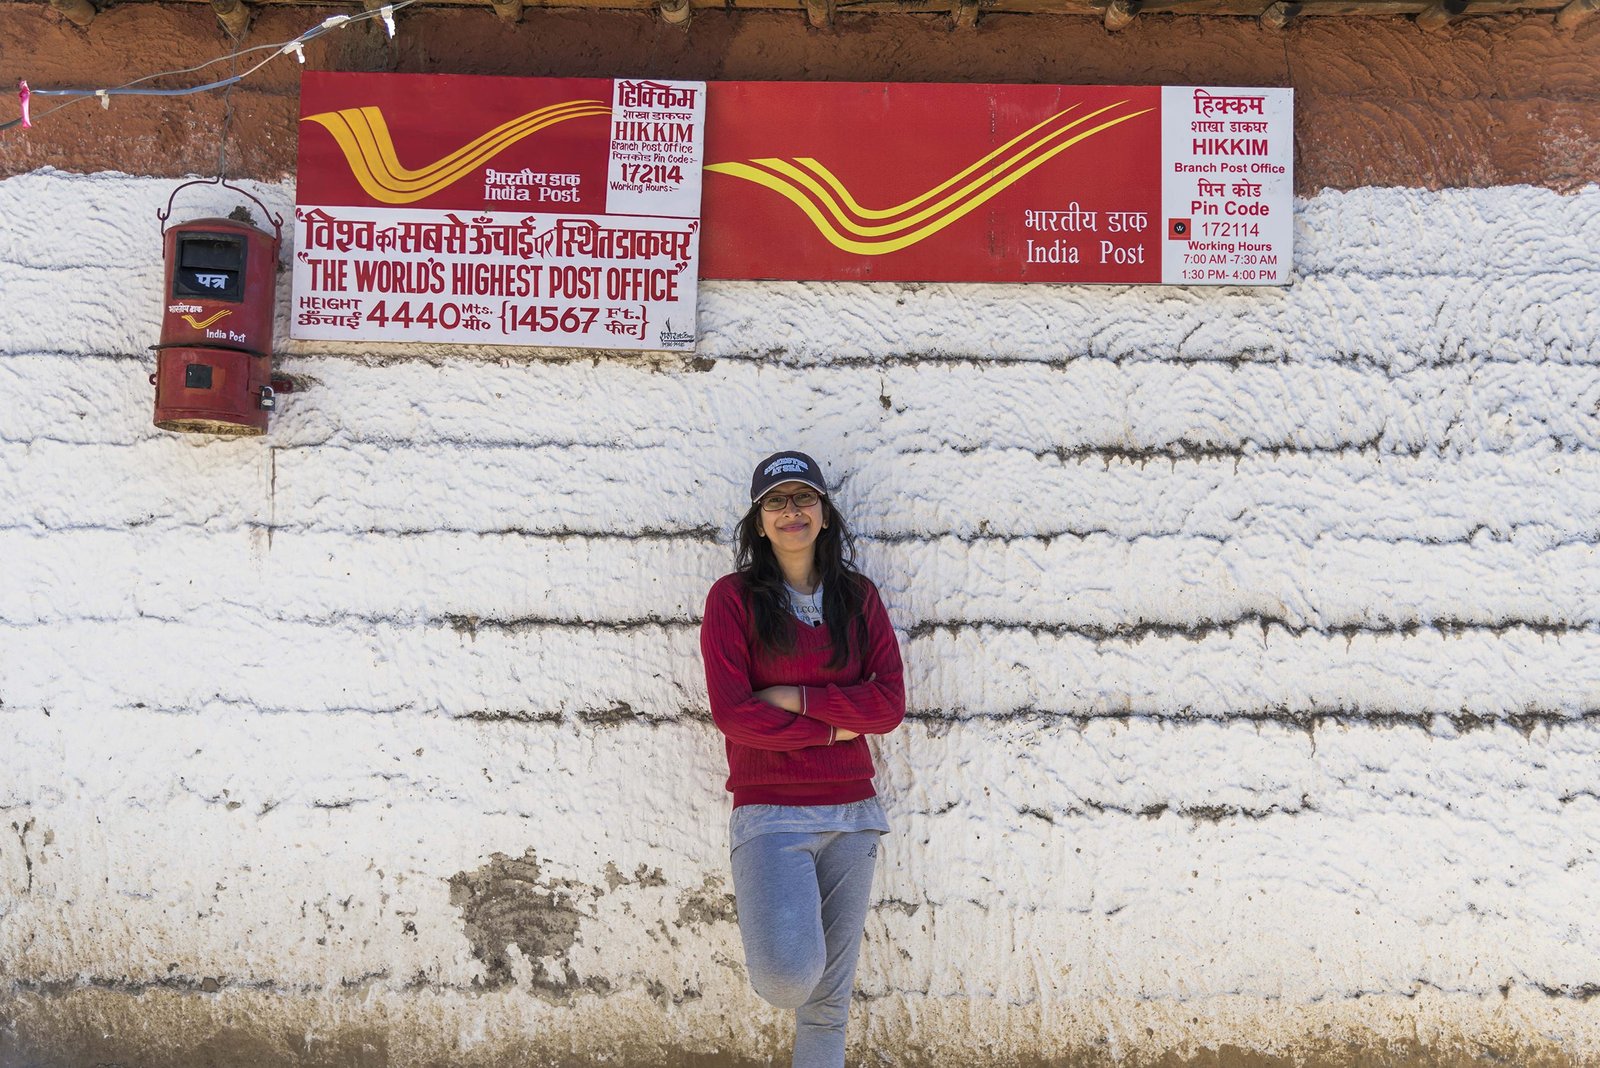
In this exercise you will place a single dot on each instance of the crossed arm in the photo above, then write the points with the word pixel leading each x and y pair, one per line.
pixel 793 699
pixel 796 717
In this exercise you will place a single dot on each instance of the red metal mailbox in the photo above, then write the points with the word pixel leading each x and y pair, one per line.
pixel 214 362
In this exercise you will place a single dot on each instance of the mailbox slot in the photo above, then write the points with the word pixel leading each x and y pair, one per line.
pixel 209 265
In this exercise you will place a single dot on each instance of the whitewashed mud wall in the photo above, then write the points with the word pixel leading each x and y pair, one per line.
pixel 1253 642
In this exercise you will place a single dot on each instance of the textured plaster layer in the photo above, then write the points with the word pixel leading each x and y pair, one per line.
pixel 1049 887
pixel 1251 635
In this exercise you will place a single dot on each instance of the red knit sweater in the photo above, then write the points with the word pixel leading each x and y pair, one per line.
pixel 776 757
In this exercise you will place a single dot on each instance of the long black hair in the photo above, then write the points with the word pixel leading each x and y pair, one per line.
pixel 766 599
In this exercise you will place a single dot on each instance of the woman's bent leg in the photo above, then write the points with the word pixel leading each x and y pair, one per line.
pixel 780 915
pixel 844 867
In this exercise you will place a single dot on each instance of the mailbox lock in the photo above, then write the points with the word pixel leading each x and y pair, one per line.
pixel 269 394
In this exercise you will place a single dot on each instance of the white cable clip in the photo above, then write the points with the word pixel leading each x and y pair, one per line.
pixel 387 11
pixel 334 20
pixel 297 48
pixel 105 99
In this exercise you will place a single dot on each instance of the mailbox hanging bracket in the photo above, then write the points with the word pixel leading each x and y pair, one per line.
pixel 276 220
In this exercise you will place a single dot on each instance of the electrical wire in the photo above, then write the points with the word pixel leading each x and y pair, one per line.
pixel 282 48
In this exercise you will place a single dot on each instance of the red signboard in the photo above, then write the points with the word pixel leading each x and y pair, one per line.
pixel 996 183
pixel 547 211
pixel 531 211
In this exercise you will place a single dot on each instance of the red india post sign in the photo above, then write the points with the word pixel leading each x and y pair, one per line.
pixel 530 211
pixel 998 183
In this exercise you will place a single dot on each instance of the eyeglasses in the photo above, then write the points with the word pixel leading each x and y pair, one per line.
pixel 777 502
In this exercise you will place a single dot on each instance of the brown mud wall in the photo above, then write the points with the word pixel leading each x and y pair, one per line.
pixel 158 1028
pixel 1487 101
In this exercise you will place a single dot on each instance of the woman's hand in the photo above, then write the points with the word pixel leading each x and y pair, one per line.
pixel 789 699
pixel 842 735
pixel 784 697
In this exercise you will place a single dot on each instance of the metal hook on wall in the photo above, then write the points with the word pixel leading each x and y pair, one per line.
pixel 276 220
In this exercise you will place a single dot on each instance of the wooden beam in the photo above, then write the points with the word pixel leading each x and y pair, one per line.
pixel 1119 13
pixel 1318 7
pixel 509 10
pixel 1369 7
pixel 1097 8
pixel 1253 9
pixel 965 14
pixel 1279 15
pixel 1577 11
pixel 819 13
pixel 1440 14
pixel 674 12
pixel 234 16
pixel 78 12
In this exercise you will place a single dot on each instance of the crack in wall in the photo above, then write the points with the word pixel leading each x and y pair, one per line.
pixel 1580 992
pixel 941 720
pixel 1172 451
pixel 470 626
pixel 361 987
pixel 1133 633
pixel 1535 534
pixel 1250 358
pixel 1212 813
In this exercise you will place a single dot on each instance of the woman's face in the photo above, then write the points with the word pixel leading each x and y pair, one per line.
pixel 792 529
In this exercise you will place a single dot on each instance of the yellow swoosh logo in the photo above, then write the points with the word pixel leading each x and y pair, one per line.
pixel 363 136
pixel 202 324
pixel 843 221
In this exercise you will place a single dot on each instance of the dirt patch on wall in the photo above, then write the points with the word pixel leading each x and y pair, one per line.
pixel 1490 101
pixel 708 904
pixel 510 912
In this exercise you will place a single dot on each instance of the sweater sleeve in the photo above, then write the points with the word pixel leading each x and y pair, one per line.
pixel 869 707
pixel 735 709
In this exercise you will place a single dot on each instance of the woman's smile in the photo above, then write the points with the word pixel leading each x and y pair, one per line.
pixel 793 528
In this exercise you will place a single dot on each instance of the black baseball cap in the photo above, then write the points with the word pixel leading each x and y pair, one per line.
pixel 783 467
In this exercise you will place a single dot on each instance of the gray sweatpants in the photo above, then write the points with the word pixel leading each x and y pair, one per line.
pixel 802 906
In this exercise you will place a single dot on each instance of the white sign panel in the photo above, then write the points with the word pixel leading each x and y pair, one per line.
pixel 1227 185
pixel 657 148
pixel 498 278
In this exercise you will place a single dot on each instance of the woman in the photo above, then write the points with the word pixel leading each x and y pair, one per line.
pixel 801 664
